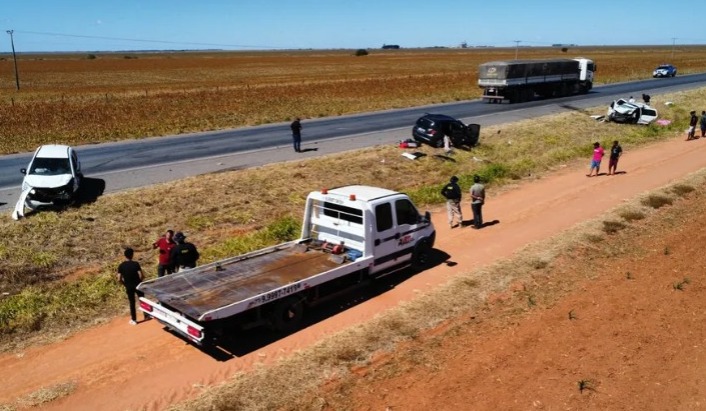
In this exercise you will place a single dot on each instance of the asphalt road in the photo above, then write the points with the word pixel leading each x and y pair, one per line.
pixel 136 163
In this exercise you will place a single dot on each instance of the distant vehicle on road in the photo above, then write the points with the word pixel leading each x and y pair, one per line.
pixel 52 178
pixel 665 70
pixel 521 80
pixel 431 129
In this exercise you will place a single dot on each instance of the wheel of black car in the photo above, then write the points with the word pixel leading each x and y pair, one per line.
pixel 439 143
pixel 287 314
pixel 421 255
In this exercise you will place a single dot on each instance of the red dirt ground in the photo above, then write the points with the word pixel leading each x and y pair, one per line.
pixel 535 363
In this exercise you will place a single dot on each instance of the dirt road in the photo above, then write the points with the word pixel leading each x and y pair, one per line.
pixel 117 366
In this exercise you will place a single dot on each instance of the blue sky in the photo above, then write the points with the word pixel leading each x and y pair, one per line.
pixel 104 25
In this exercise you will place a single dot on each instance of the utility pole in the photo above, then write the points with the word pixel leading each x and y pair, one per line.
pixel 674 42
pixel 14 58
pixel 517 46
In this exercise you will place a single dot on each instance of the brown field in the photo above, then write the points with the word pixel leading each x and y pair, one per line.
pixel 76 99
pixel 55 287
pixel 46 283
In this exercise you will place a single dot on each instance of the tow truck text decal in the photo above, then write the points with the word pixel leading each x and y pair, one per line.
pixel 276 294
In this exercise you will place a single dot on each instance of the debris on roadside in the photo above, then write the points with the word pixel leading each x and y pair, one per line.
pixel 413 156
pixel 409 143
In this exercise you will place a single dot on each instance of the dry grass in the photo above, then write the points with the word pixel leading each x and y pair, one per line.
pixel 631 215
pixel 657 200
pixel 49 280
pixel 46 395
pixel 612 227
pixel 76 100
pixel 400 336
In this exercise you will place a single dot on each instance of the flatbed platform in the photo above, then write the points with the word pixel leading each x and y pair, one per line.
pixel 210 287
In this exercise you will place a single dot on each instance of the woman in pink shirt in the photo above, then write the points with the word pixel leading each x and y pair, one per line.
pixel 596 160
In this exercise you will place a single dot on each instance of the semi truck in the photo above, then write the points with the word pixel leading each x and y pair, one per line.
pixel 516 81
pixel 350 236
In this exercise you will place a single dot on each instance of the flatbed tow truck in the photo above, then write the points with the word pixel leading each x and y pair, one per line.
pixel 349 235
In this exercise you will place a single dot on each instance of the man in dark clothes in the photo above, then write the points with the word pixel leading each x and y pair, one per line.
pixel 452 193
pixel 184 255
pixel 130 275
pixel 296 127
pixel 615 152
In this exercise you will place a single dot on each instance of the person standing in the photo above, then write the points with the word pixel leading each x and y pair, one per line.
pixel 596 159
pixel 477 201
pixel 165 245
pixel 615 152
pixel 447 145
pixel 296 127
pixel 184 255
pixel 690 134
pixel 130 276
pixel 452 193
pixel 702 123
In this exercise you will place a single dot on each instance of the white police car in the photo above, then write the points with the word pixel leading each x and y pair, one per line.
pixel 665 70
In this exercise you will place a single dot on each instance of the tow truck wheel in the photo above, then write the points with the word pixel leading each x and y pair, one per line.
pixel 421 254
pixel 287 314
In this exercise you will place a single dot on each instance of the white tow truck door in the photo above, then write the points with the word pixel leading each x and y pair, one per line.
pixel 396 232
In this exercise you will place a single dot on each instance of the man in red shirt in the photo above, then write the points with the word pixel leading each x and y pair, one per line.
pixel 165 245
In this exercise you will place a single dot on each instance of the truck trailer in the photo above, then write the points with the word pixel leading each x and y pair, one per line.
pixel 521 80
pixel 350 236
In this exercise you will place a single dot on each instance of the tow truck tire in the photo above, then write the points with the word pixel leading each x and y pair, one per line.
pixel 287 314
pixel 421 254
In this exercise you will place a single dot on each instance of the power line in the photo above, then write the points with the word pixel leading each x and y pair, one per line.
pixel 148 41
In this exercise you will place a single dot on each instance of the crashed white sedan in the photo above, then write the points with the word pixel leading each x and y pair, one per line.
pixel 623 111
pixel 52 178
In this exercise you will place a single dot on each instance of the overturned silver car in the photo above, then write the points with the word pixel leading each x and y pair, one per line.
pixel 630 112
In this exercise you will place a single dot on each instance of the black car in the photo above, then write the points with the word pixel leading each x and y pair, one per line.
pixel 431 129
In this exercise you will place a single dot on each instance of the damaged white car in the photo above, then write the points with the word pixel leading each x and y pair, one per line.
pixel 52 178
pixel 623 111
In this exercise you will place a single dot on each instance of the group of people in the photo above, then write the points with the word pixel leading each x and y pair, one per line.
pixel 598 152
pixel 693 121
pixel 453 193
pixel 175 254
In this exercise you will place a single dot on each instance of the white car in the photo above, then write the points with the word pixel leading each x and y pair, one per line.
pixel 52 178
pixel 623 111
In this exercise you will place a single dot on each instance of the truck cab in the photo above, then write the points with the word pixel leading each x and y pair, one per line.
pixel 587 68
pixel 380 223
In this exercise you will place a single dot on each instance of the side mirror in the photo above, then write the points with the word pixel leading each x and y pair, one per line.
pixel 23 170
pixel 427 217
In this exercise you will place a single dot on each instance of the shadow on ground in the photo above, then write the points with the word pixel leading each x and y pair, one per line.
pixel 469 223
pixel 91 189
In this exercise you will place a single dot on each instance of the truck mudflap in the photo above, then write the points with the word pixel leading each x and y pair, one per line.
pixel 175 321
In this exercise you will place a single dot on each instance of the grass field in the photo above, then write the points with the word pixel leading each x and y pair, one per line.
pixel 51 285
pixel 49 280
pixel 76 99
pixel 91 98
